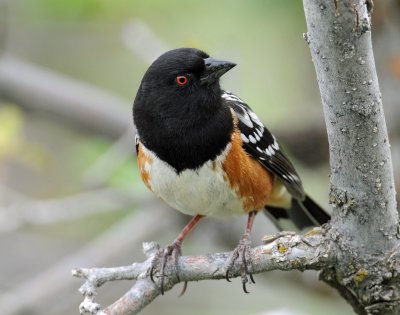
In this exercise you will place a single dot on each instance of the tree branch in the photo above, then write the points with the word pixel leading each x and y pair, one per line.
pixel 285 251
pixel 364 219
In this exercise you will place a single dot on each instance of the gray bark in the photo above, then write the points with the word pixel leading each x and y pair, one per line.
pixel 364 219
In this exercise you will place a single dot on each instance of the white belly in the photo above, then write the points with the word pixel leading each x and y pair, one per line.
pixel 203 191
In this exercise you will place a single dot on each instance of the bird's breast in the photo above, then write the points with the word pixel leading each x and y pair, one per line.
pixel 232 183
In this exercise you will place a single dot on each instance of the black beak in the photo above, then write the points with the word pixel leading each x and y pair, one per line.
pixel 214 70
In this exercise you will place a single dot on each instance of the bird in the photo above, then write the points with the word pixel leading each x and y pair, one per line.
pixel 204 152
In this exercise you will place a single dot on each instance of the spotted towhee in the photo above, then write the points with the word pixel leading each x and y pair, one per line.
pixel 206 153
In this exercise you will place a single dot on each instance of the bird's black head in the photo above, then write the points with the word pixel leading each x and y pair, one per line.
pixel 179 98
pixel 184 76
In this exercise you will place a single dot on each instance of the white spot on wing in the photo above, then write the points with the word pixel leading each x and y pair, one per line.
pixel 244 138
pixel 275 145
pixel 252 139
pixel 245 118
pixel 255 118
pixel 271 150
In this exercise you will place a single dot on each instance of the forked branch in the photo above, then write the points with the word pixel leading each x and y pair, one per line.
pixel 284 251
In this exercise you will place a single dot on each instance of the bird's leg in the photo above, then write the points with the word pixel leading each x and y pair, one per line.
pixel 173 251
pixel 242 253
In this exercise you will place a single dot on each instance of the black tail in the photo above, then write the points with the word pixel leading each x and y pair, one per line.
pixel 303 214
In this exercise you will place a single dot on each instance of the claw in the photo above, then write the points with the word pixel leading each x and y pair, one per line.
pixel 161 258
pixel 227 276
pixel 246 261
pixel 230 263
pixel 243 255
pixel 160 261
pixel 152 274
pixel 251 278
pixel 183 289
pixel 244 288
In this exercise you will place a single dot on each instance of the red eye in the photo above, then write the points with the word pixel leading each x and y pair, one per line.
pixel 182 80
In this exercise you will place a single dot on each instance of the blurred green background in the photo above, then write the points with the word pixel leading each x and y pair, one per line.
pixel 70 194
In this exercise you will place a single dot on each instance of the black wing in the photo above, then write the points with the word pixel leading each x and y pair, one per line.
pixel 262 145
